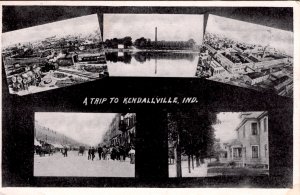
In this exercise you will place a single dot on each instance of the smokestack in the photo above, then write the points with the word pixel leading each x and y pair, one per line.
pixel 155 34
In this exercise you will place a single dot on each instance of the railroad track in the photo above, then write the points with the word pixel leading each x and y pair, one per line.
pixel 86 75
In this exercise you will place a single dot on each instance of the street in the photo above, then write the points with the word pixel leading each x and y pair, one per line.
pixel 80 166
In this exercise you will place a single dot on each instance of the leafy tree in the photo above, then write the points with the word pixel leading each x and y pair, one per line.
pixel 141 43
pixel 193 135
pixel 127 41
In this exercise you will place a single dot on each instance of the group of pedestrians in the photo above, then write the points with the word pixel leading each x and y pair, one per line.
pixel 112 153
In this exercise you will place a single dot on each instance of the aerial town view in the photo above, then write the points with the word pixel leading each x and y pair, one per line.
pixel 53 55
pixel 218 144
pixel 152 45
pixel 247 55
pixel 84 144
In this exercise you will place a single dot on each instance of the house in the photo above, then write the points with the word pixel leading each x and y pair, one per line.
pixel 121 47
pixel 251 145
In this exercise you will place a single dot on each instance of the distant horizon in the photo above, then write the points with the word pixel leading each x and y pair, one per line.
pixel 170 27
pixel 251 33
pixel 73 26
pixel 145 38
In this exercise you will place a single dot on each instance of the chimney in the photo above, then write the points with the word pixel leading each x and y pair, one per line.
pixel 155 34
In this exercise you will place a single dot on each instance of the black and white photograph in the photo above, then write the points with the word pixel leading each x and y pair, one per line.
pixel 247 55
pixel 218 144
pixel 84 144
pixel 53 55
pixel 152 45
pixel 168 96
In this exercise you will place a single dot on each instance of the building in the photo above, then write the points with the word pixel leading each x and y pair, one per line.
pixel 128 128
pixel 251 147
pixel 216 68
pixel 67 60
pixel 121 131
pixel 121 47
pixel 256 77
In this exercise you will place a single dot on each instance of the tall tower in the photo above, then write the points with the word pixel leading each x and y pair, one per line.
pixel 155 34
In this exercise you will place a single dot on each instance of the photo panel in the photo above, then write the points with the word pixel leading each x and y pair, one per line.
pixel 247 55
pixel 152 45
pixel 84 144
pixel 218 144
pixel 53 55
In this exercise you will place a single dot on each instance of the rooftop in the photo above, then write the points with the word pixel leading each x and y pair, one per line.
pixel 254 75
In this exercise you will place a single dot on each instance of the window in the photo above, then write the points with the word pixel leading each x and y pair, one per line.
pixel 254 128
pixel 266 148
pixel 265 124
pixel 244 135
pixel 254 151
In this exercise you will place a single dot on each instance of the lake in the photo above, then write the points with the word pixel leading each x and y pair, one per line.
pixel 152 64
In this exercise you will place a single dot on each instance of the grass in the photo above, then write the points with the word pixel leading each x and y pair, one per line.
pixel 216 164
pixel 236 171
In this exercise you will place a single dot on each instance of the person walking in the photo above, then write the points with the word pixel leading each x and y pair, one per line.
pixel 89 153
pixel 104 153
pixel 65 152
pixel 132 155
pixel 93 153
pixel 122 153
pixel 113 154
pixel 100 150
pixel 117 152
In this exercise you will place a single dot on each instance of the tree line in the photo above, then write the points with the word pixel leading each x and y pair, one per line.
pixel 192 134
pixel 144 43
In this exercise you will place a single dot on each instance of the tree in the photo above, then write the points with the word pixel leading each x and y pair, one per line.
pixel 191 42
pixel 193 134
pixel 140 43
pixel 127 41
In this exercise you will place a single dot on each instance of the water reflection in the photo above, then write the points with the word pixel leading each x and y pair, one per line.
pixel 164 64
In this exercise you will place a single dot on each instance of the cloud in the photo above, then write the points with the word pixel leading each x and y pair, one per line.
pixel 83 25
pixel 171 27
pixel 251 33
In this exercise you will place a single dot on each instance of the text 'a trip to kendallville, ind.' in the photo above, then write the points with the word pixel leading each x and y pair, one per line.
pixel 139 100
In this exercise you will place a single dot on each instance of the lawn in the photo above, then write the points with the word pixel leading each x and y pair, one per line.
pixel 241 171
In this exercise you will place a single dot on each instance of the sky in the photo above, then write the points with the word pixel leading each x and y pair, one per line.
pixel 172 27
pixel 87 128
pixel 83 25
pixel 251 33
pixel 225 130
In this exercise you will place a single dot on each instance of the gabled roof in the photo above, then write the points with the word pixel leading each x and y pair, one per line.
pixel 235 142
pixel 251 115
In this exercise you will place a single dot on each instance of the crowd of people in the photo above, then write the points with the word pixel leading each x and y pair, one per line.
pixel 112 153
pixel 104 153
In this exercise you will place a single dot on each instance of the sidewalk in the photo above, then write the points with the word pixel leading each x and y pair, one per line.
pixel 200 171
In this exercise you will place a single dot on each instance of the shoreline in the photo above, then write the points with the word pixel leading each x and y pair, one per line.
pixel 151 50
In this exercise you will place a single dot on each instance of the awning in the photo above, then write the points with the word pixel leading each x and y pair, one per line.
pixel 57 145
